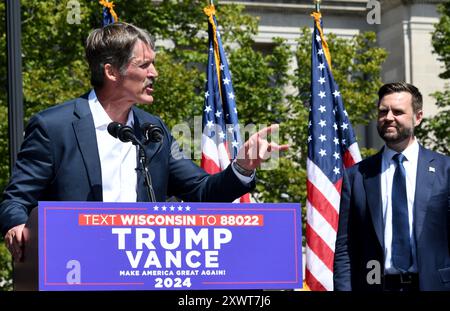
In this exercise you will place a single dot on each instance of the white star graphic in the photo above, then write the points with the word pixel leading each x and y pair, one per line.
pixel 226 81
pixel 321 80
pixel 210 124
pixel 172 208
pixel 336 170
pixel 344 126
pixel 163 207
pixel 218 113
pixel 180 208
pixel 231 95
pixel 230 129
pixel 322 94
pixel 335 126
pixel 336 93
pixel 208 109
pixel 322 137
pixel 322 152
pixel 206 94
pixel 309 123
pixel 318 39
pixel 309 138
pixel 235 144
pixel 235 110
pixel 156 207
pixel 345 112
pixel 336 141
pixel 320 52
pixel 187 208
pixel 322 109
pixel 221 135
pixel 343 141
pixel 221 66
pixel 336 155
pixel 322 123
pixel 321 66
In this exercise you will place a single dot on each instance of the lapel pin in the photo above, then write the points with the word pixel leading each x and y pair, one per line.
pixel 431 169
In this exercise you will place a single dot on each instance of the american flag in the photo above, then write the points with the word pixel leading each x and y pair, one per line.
pixel 221 137
pixel 332 147
pixel 109 15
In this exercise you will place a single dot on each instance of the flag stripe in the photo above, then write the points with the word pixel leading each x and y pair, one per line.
pixel 319 247
pixel 321 205
pixel 322 227
pixel 318 270
pixel 313 283
pixel 321 182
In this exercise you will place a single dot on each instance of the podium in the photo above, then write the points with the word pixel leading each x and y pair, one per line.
pixel 70 246
pixel 26 273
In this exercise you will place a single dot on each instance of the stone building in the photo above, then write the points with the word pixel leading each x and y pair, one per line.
pixel 403 28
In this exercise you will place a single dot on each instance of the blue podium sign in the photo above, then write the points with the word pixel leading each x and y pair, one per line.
pixel 169 246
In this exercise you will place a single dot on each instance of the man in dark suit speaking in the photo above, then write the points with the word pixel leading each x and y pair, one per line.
pixel 394 221
pixel 68 154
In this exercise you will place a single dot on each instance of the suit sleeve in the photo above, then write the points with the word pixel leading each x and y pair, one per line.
pixel 31 175
pixel 342 267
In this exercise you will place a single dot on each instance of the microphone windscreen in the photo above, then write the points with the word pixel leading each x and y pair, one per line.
pixel 113 129
pixel 126 134
pixel 152 132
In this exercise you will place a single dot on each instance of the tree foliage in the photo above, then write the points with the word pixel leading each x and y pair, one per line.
pixel 434 132
pixel 267 89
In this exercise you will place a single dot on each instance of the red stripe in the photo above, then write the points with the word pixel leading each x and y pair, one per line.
pixel 313 283
pixel 348 159
pixel 322 205
pixel 338 185
pixel 319 247
pixel 245 198
pixel 209 165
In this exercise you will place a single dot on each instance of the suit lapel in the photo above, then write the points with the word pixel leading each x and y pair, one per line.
pixel 87 142
pixel 424 184
pixel 372 187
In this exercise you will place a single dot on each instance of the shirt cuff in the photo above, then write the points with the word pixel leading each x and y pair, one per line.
pixel 244 179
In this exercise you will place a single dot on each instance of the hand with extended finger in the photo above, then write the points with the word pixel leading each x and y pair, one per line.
pixel 257 149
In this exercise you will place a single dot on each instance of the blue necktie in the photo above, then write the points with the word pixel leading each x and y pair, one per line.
pixel 401 246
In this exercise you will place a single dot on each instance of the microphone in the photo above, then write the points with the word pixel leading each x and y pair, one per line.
pixel 123 132
pixel 126 134
pixel 152 133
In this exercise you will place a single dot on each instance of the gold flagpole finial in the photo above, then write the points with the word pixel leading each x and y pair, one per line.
pixel 317 3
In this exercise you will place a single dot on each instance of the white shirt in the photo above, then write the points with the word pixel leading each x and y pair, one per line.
pixel 118 160
pixel 388 167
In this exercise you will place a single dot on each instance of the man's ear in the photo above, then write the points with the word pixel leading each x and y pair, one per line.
pixel 111 73
pixel 418 116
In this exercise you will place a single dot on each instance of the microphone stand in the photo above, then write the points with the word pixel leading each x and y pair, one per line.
pixel 147 176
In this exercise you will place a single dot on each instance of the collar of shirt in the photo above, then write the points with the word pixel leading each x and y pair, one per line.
pixel 101 118
pixel 411 153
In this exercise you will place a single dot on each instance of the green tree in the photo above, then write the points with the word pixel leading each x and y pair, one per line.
pixel 434 132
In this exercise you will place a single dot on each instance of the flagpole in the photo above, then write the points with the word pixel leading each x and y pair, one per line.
pixel 317 3
pixel 211 2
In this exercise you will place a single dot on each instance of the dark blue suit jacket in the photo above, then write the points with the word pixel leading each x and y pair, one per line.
pixel 360 237
pixel 59 161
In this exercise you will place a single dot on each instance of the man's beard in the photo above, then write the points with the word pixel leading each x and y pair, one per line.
pixel 401 134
